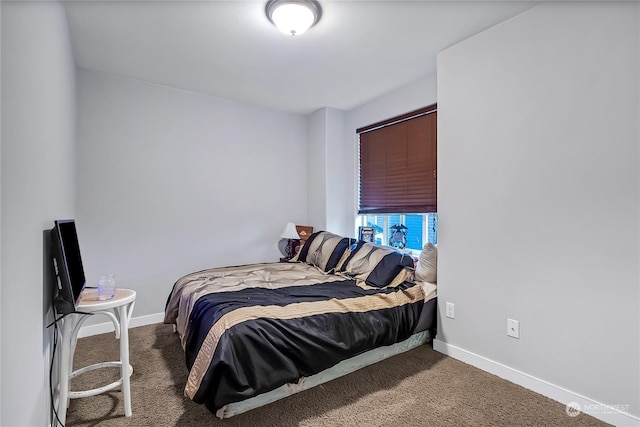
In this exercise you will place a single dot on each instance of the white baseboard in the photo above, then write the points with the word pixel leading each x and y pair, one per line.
pixel 103 328
pixel 589 406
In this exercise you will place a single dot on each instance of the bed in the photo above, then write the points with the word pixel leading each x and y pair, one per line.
pixel 253 334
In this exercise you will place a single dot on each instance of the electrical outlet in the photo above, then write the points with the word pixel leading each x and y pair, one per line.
pixel 450 310
pixel 513 328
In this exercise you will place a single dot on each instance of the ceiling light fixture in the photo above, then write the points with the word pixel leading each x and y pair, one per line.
pixel 293 17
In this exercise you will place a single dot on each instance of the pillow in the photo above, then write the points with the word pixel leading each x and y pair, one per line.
pixel 426 270
pixel 377 265
pixel 406 274
pixel 354 245
pixel 323 249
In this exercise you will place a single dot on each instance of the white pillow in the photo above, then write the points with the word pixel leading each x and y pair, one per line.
pixel 427 268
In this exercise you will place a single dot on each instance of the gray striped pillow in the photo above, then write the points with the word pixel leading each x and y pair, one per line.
pixel 323 249
pixel 376 265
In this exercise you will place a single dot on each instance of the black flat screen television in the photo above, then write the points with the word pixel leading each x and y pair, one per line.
pixel 67 266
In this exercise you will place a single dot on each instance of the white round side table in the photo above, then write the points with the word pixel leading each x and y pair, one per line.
pixel 119 310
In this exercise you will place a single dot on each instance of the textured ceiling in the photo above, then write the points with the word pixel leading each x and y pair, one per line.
pixel 359 50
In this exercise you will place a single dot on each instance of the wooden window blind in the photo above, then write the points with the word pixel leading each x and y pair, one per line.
pixel 398 164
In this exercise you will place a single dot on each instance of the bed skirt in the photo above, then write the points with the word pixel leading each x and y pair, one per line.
pixel 343 368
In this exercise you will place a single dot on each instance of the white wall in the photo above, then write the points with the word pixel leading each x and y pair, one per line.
pixel 0 218
pixel 328 173
pixel 317 170
pixel 339 179
pixel 539 198
pixel 37 177
pixel 170 182
pixel 413 96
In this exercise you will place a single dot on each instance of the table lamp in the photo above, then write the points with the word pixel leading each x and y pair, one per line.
pixel 290 233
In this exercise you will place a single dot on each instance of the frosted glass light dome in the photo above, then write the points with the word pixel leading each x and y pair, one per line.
pixel 293 17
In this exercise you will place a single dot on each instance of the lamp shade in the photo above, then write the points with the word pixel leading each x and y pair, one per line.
pixel 293 16
pixel 290 231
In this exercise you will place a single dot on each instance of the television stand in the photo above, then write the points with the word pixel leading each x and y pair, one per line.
pixel 118 309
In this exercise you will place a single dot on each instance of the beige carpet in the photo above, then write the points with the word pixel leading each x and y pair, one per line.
pixel 419 388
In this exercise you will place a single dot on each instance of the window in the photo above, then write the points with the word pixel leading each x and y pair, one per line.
pixel 421 228
pixel 398 179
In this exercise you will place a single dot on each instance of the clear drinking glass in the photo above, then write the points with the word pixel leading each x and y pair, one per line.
pixel 106 287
